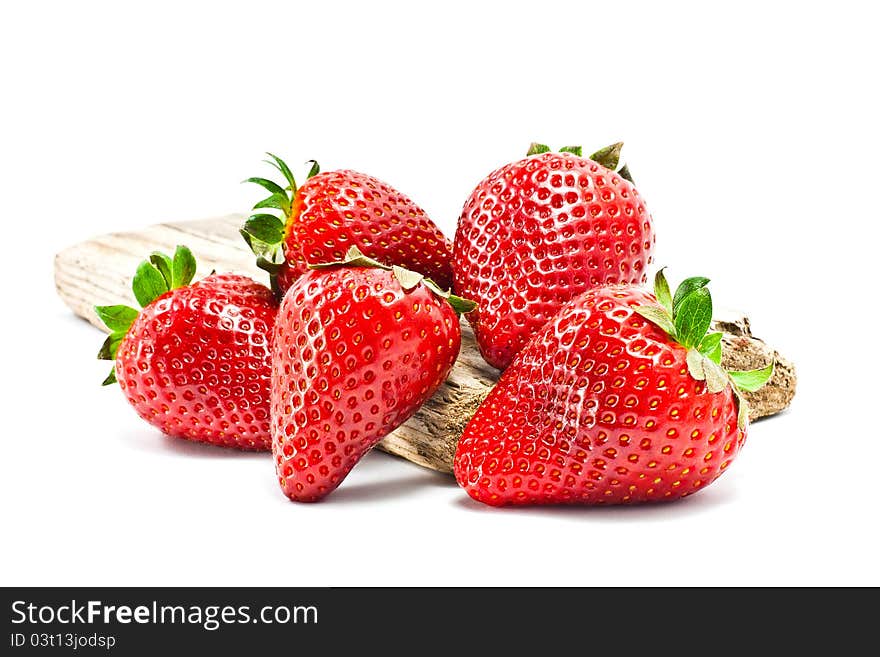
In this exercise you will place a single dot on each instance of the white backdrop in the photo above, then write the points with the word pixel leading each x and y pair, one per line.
pixel 751 132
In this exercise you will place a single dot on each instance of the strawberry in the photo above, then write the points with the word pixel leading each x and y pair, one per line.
pixel 540 231
pixel 619 399
pixel 358 348
pixel 195 362
pixel 334 211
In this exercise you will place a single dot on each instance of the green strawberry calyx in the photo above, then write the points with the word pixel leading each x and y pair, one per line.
pixel 686 317
pixel 408 279
pixel 608 157
pixel 264 232
pixel 154 277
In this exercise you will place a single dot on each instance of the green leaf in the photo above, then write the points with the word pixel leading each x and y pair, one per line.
pixel 111 346
pixel 716 378
pixel 249 240
pixel 752 380
pixel 270 262
pixel 710 347
pixel 608 157
pixel 436 289
pixel 268 185
pixel 267 228
pixel 703 369
pixel 408 279
pixel 276 201
pixel 742 416
pixel 353 258
pixel 256 246
pixel 624 173
pixel 661 290
pixel 285 171
pixel 183 267
pixel 272 254
pixel 687 286
pixel 117 318
pixel 314 170
pixel 577 150
pixel 148 283
pixel 163 263
pixel 111 378
pixel 658 316
pixel 693 316
pixel 460 305
pixel 695 361
pixel 536 149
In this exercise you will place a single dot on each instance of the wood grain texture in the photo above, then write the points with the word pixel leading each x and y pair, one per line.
pixel 98 272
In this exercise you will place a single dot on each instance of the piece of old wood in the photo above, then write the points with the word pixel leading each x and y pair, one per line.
pixel 98 272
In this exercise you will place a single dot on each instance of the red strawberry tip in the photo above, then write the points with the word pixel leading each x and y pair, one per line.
pixel 153 278
pixel 686 317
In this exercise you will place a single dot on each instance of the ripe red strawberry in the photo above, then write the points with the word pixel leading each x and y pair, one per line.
pixel 195 362
pixel 334 211
pixel 358 348
pixel 538 232
pixel 619 399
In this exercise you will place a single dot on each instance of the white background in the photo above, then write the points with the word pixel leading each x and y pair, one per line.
pixel 752 133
